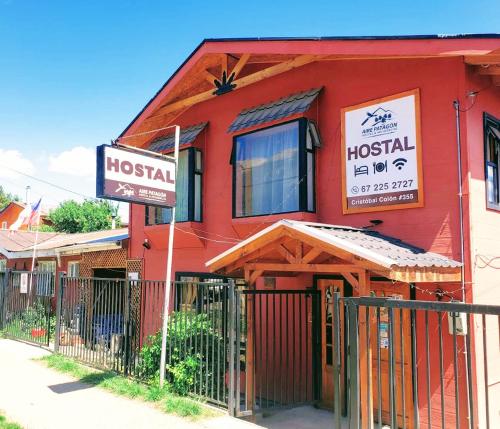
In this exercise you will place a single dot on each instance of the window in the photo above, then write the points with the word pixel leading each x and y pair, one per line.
pixel 4 225
pixel 73 269
pixel 273 170
pixel 188 192
pixel 492 160
pixel 3 265
pixel 45 278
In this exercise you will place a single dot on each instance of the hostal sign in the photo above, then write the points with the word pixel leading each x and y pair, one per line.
pixel 381 150
pixel 129 176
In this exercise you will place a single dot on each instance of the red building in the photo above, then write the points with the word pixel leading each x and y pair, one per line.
pixel 11 213
pixel 267 135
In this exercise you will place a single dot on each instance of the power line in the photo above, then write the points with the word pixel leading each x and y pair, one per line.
pixel 49 183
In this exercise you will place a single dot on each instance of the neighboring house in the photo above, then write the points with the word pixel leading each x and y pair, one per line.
pixel 12 211
pixel 92 254
pixel 266 147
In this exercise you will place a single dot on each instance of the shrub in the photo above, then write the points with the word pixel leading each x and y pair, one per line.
pixel 195 354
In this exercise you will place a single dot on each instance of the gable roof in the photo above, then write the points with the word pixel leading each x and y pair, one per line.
pixel 279 109
pixel 368 249
pixel 254 59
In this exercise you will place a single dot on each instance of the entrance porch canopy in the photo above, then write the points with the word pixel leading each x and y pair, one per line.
pixel 290 247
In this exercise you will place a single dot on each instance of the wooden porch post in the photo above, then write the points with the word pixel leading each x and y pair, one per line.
pixel 365 356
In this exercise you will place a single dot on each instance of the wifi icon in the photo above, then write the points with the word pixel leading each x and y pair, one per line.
pixel 400 163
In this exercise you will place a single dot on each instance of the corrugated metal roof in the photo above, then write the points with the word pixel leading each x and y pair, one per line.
pixel 22 241
pixel 279 109
pixel 63 240
pixel 188 135
pixel 15 241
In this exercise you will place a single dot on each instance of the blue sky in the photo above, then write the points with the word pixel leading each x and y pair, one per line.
pixel 74 73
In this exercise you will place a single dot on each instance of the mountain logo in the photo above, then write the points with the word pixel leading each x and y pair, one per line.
pixel 380 115
pixel 378 122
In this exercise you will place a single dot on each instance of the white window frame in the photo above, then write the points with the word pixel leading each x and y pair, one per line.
pixel 45 283
pixel 73 269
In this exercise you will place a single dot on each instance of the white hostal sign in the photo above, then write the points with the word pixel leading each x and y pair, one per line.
pixel 381 150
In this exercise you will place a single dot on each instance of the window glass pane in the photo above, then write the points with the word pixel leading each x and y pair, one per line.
pixel 3 265
pixel 310 181
pixel 197 197
pixel 492 183
pixel 73 269
pixel 198 165
pixel 309 140
pixel 267 170
pixel 159 215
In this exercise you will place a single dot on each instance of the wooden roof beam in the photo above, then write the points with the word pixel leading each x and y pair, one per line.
pixel 477 60
pixel 240 64
pixel 305 268
pixel 299 61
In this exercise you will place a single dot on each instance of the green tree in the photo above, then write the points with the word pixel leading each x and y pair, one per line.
pixel 6 198
pixel 72 216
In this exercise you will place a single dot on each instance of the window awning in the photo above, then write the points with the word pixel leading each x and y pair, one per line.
pixel 188 135
pixel 279 109
pixel 293 247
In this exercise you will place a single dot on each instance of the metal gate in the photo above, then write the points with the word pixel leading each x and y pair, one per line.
pixel 26 307
pixel 277 349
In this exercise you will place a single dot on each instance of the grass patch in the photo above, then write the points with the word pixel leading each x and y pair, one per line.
pixel 166 400
pixel 4 424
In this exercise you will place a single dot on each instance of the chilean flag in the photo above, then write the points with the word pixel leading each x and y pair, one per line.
pixel 29 216
pixel 34 218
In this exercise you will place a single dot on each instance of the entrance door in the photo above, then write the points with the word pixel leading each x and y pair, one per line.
pixel 402 332
pixel 327 288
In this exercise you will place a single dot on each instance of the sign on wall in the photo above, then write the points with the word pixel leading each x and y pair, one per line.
pixel 381 154
pixel 129 176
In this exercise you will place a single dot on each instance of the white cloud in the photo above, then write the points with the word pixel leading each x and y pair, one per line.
pixel 78 161
pixel 15 160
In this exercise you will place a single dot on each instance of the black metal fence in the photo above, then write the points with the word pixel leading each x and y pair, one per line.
pixel 411 363
pixel 26 306
pixel 100 322
pixel 115 324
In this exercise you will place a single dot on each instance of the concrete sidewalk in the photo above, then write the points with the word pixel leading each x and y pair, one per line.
pixel 37 397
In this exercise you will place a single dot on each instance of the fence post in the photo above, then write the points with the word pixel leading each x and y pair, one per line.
pixel 60 292
pixel 353 365
pixel 126 327
pixel 3 293
pixel 336 358
pixel 231 324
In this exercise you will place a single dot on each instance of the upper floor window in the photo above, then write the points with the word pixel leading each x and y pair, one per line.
pixel 273 170
pixel 492 160
pixel 188 192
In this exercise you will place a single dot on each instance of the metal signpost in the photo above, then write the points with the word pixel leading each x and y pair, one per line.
pixel 134 175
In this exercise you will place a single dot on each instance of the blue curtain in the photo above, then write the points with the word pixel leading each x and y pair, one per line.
pixel 267 171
